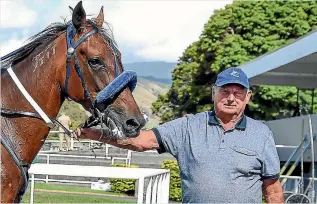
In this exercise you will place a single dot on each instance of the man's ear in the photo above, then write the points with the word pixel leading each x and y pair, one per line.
pixel 213 93
pixel 249 95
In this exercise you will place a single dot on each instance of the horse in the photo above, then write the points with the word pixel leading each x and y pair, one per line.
pixel 76 60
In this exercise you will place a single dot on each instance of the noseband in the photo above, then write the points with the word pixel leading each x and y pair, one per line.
pixel 126 78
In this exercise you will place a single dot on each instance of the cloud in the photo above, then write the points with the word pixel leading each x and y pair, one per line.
pixel 162 29
pixel 15 14
pixel 11 45
pixel 151 30
pixel 155 30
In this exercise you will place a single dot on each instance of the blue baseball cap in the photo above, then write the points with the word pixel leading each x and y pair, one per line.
pixel 232 75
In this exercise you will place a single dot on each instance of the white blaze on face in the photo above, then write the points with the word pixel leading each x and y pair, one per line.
pixel 117 133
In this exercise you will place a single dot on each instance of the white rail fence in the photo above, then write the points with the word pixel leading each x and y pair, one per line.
pixel 155 191
pixel 127 159
pixel 49 156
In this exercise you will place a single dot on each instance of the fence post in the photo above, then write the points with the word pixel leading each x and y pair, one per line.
pixel 47 162
pixel 149 191
pixel 154 191
pixel 32 189
pixel 166 186
pixel 140 190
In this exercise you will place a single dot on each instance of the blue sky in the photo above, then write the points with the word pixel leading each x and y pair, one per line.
pixel 144 30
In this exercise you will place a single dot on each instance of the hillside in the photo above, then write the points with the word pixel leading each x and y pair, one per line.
pixel 147 91
pixel 157 69
pixel 145 94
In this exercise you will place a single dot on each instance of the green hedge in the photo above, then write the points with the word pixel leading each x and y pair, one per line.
pixel 175 181
pixel 123 185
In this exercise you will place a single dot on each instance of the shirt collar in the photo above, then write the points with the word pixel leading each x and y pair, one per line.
pixel 241 124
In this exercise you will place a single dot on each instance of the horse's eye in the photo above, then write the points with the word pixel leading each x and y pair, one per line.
pixel 95 63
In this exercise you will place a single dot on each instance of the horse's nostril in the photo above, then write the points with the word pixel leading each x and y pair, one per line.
pixel 132 123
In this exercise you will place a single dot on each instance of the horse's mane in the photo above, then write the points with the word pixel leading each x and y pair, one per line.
pixel 46 36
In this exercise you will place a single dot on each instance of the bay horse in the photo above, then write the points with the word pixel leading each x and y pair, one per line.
pixel 76 60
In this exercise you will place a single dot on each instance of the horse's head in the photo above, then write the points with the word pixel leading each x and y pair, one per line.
pixel 95 77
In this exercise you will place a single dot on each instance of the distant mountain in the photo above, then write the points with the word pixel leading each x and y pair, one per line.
pixel 158 70
pixel 159 80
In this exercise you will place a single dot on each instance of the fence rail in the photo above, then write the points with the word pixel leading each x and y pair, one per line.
pixel 157 189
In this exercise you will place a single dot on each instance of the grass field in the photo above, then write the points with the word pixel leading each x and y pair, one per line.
pixel 51 193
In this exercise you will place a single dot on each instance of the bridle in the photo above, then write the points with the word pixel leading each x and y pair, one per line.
pixel 121 81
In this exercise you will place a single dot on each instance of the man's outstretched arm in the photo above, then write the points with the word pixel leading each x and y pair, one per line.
pixel 273 191
pixel 146 140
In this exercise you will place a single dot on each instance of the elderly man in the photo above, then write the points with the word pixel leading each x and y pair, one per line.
pixel 223 155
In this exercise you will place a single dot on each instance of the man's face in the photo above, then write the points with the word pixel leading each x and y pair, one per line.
pixel 231 99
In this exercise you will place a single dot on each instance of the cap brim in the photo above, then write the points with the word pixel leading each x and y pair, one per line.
pixel 222 83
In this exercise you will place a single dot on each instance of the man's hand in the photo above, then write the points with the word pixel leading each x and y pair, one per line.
pixel 145 141
pixel 87 133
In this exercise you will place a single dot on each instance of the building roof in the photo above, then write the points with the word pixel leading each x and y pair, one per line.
pixel 292 65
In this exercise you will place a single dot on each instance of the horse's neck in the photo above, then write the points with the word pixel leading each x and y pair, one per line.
pixel 39 74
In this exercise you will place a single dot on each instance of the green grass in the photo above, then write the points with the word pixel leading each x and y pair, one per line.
pixel 40 197
pixel 72 194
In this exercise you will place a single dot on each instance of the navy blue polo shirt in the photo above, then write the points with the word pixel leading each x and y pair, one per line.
pixel 219 166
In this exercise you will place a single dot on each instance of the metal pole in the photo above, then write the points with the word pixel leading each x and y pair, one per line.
pixel 301 183
pixel 293 166
pixel 293 154
pixel 312 156
pixel 312 101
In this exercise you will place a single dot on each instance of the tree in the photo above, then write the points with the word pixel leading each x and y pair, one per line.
pixel 76 113
pixel 236 34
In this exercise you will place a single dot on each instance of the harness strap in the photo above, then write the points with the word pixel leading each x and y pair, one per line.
pixel 82 79
pixel 22 167
pixel 9 113
pixel 29 98
pixel 114 49
pixel 71 46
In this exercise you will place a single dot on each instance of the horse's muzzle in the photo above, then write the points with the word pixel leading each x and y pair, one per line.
pixel 121 125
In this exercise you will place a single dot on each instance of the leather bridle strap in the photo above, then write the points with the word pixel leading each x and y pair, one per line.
pixel 71 50
pixel 9 113
pixel 29 98
pixel 22 167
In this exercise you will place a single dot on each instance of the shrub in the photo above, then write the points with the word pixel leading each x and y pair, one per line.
pixel 123 185
pixel 175 181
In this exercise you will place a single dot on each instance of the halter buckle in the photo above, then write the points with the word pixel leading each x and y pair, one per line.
pixel 70 51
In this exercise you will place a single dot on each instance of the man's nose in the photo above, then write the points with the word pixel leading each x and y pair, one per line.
pixel 231 97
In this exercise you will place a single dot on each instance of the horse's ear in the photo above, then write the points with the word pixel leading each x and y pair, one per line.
pixel 100 18
pixel 79 15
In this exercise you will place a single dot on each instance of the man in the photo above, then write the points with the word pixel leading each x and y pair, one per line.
pixel 223 155
pixel 66 122
pixel 146 118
